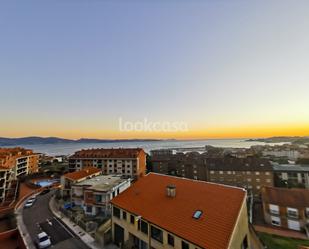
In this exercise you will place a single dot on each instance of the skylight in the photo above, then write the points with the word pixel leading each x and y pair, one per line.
pixel 197 214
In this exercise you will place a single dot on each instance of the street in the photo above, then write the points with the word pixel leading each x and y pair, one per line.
pixel 39 218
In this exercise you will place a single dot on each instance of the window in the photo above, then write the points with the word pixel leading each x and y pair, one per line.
pixel 184 245
pixel 132 219
pixel 197 214
pixel 244 244
pixel 284 176
pixel 220 172
pixel 144 227
pixel 116 212
pixel 267 173
pixel 157 234
pixel 124 215
pixel 98 198
pixel 212 172
pixel 170 240
pixel 257 173
pixel 257 180
pixel 273 209
pixel 292 212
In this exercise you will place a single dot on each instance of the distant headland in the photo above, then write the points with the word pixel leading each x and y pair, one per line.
pixel 56 140
pixel 293 140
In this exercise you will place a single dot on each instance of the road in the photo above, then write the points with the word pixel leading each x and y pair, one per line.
pixel 39 217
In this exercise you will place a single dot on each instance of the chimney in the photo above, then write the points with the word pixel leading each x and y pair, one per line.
pixel 171 191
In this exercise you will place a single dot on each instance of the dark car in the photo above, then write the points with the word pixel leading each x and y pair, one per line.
pixel 45 191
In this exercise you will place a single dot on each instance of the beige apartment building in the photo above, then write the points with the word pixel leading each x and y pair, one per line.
pixel 130 163
pixel 160 211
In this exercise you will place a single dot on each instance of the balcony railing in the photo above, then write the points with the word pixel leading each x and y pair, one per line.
pixel 274 212
pixel 292 215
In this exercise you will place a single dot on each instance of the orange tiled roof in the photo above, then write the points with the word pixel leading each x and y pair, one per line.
pixel 87 171
pixel 9 155
pixel 285 197
pixel 15 151
pixel 108 153
pixel 220 206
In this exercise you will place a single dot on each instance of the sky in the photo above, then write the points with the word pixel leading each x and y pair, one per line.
pixel 227 69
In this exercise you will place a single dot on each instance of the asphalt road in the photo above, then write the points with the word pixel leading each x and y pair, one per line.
pixel 39 218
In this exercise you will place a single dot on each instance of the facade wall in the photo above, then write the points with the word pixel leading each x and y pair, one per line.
pixel 133 229
pixel 240 234
pixel 294 178
pixel 251 180
pixel 241 230
pixel 133 168
pixel 284 218
pixel 33 164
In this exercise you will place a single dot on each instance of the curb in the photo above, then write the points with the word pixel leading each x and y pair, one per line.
pixel 28 242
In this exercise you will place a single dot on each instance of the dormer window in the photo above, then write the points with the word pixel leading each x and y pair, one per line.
pixel 197 214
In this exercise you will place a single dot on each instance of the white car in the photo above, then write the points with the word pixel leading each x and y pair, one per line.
pixel 43 240
pixel 30 202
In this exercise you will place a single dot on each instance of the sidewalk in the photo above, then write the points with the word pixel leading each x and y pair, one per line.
pixel 21 226
pixel 78 231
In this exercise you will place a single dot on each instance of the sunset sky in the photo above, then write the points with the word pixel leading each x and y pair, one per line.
pixel 72 68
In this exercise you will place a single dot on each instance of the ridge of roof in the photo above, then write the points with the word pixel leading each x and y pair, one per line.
pixel 201 181
pixel 87 171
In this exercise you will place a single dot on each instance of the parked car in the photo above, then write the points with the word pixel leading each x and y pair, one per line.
pixel 30 202
pixel 43 240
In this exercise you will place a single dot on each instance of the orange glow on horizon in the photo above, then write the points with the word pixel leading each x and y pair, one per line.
pixel 241 131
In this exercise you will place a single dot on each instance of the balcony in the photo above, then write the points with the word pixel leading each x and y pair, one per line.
pixel 292 215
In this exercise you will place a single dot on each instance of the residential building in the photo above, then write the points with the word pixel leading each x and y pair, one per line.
pixel 67 180
pixel 162 152
pixel 130 163
pixel 289 151
pixel 250 173
pixel 94 194
pixel 160 211
pixel 15 163
pixel 291 175
pixel 286 208
pixel 190 165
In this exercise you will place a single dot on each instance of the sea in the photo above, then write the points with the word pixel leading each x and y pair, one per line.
pixel 189 145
